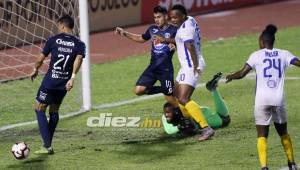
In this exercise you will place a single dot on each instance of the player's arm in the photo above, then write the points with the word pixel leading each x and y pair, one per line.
pixel 37 66
pixel 76 67
pixel 296 62
pixel 129 35
pixel 192 49
pixel 239 74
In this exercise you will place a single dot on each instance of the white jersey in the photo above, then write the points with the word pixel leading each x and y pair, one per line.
pixel 189 31
pixel 270 66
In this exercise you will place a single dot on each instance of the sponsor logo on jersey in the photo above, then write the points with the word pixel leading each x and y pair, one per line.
pixel 66 43
pixel 272 84
pixel 158 45
pixel 155 30
pixel 167 35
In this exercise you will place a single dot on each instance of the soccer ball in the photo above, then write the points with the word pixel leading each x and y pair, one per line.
pixel 20 150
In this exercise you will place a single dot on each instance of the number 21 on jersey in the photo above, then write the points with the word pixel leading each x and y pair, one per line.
pixel 63 59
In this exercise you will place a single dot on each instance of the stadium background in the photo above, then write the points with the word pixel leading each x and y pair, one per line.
pixel 106 14
pixel 228 23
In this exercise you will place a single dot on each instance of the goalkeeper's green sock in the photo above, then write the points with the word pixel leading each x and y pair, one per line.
pixel 214 120
pixel 221 107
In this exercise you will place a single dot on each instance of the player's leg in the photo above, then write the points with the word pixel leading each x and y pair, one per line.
pixel 221 107
pixel 53 118
pixel 43 98
pixel 263 117
pixel 280 123
pixel 262 136
pixel 145 83
pixel 212 118
pixel 193 109
pixel 187 82
pixel 59 96
pixel 166 80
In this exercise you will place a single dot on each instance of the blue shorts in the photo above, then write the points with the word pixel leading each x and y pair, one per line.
pixel 50 96
pixel 165 77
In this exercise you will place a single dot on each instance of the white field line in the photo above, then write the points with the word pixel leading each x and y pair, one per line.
pixel 116 104
pixel 287 168
pixel 3 128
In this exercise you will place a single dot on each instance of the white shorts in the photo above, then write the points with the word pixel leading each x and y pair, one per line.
pixel 187 76
pixel 264 115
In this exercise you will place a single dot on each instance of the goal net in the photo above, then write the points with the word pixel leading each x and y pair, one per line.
pixel 25 25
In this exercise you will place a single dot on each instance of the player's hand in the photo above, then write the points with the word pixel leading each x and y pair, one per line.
pixel 229 78
pixel 197 71
pixel 34 74
pixel 172 47
pixel 69 84
pixel 119 31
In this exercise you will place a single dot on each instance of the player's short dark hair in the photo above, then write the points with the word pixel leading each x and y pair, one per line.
pixel 268 34
pixel 160 9
pixel 180 8
pixel 67 20
pixel 167 105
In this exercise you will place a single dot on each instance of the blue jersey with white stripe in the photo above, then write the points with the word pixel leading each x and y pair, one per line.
pixel 161 55
pixel 63 49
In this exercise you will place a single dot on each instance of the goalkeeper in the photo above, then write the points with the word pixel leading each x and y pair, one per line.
pixel 174 122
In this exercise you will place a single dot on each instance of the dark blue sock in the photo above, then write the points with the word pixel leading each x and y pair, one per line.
pixel 54 118
pixel 44 127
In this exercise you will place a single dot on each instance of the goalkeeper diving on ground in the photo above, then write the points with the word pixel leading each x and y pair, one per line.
pixel 183 123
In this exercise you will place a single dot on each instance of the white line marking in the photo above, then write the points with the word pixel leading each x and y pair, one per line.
pixel 117 104
pixel 287 168
pixel 3 128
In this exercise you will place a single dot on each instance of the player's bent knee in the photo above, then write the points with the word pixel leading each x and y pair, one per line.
pixel 139 90
pixel 183 100
pixel 54 108
pixel 225 121
pixel 41 107
pixel 281 128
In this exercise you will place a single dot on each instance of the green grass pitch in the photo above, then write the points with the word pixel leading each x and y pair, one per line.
pixel 80 147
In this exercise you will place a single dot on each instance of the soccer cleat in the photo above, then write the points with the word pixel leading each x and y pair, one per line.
pixel 213 83
pixel 292 166
pixel 206 134
pixel 44 151
pixel 265 168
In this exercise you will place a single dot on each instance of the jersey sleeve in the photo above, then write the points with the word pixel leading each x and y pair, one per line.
pixel 147 36
pixel 47 48
pixel 289 58
pixel 251 61
pixel 81 49
pixel 188 32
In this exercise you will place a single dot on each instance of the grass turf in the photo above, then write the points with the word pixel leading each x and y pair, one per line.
pixel 80 147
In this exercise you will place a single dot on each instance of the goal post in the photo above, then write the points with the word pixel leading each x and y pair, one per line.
pixel 84 36
pixel 24 28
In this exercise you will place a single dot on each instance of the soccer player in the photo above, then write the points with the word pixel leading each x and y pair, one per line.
pixel 192 65
pixel 269 64
pixel 160 67
pixel 184 124
pixel 67 53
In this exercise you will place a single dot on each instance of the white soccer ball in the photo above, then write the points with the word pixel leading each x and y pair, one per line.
pixel 20 150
